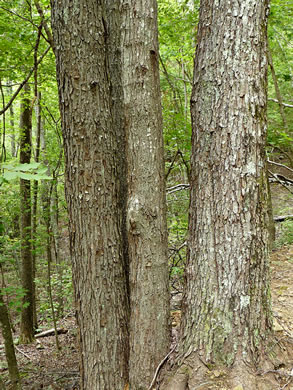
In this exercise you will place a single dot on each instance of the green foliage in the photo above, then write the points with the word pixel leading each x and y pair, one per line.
pixel 280 33
pixel 14 296
pixel 32 171
pixel 285 233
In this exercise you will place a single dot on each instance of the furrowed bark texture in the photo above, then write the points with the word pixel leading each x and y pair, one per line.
pixel 27 321
pixel 93 191
pixel 227 310
pixel 146 210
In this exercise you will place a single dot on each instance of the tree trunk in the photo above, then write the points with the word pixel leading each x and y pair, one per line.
pixel 9 346
pixel 35 204
pixel 227 318
pixel 146 211
pixel 26 325
pixel 12 127
pixel 93 191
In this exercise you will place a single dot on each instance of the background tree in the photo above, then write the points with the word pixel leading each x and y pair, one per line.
pixel 227 318
pixel 27 323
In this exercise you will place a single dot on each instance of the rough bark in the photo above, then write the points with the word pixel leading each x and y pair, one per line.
pixel 93 191
pixel 146 209
pixel 226 307
pixel 26 325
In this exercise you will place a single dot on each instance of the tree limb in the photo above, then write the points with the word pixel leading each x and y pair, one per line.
pixel 24 81
pixel 280 165
pixel 283 104
pixel 46 27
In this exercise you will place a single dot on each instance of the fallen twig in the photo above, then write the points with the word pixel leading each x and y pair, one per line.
pixel 24 354
pixel 50 332
pixel 160 366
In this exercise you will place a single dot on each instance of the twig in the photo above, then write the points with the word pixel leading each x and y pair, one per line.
pixel 282 218
pixel 280 165
pixel 160 366
pixel 178 187
pixel 283 104
pixel 286 384
pixel 24 354
pixel 24 81
pixel 280 181
pixel 51 332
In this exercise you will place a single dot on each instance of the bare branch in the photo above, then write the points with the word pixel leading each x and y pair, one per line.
pixel 178 187
pixel 280 165
pixel 280 181
pixel 46 27
pixel 283 104
pixel 24 81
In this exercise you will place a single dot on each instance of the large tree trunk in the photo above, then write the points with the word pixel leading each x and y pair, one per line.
pixel 27 323
pixel 93 191
pixel 146 211
pixel 226 309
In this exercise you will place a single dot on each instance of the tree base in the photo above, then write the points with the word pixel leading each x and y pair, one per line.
pixel 272 373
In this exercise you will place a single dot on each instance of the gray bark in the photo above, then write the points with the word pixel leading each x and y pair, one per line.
pixel 226 306
pixel 146 209
pixel 229 297
pixel 93 191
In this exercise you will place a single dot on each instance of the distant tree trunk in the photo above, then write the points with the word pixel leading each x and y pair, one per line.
pixel 93 191
pixel 5 326
pixel 227 319
pixel 35 204
pixel 146 210
pixel 12 127
pixel 26 325
pixel 9 346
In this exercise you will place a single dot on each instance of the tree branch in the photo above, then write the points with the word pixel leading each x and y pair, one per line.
pixel 46 27
pixel 283 104
pixel 24 81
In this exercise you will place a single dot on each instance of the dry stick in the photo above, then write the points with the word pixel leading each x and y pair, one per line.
pixel 280 181
pixel 24 81
pixel 24 354
pixel 280 165
pixel 160 365
pixel 283 104
pixel 178 187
